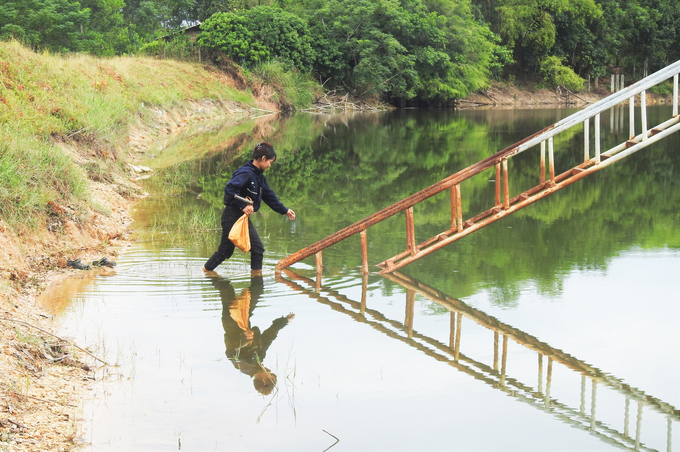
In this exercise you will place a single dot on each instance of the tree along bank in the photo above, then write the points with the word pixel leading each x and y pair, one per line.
pixel 408 52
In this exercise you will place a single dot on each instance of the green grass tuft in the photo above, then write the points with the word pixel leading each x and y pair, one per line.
pixel 293 90
pixel 46 98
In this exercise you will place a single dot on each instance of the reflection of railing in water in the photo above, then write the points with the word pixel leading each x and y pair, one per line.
pixel 492 375
pixel 617 119
pixel 505 204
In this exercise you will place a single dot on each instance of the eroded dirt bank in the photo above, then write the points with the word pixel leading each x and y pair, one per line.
pixel 508 96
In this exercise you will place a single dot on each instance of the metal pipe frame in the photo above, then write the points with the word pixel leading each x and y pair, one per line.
pixel 499 160
pixel 565 179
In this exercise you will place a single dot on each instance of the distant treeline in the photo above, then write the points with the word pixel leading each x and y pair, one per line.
pixel 402 51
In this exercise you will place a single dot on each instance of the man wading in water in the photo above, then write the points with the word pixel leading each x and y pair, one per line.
pixel 248 181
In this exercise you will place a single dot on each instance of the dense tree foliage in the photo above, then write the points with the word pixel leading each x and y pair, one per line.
pixel 404 51
pixel 99 27
pixel 258 35
pixel 533 28
pixel 589 37
pixel 36 22
pixel 399 49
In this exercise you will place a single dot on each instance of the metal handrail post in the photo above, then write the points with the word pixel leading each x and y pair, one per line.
pixel 597 138
pixel 631 117
pixel 586 140
pixel 675 95
pixel 551 160
pixel 542 179
pixel 643 115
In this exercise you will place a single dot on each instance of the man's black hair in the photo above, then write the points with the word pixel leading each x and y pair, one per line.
pixel 264 149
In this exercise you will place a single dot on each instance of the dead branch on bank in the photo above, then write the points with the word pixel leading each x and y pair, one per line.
pixel 471 103
pixel 332 103
pixel 18 395
pixel 492 98
pixel 568 93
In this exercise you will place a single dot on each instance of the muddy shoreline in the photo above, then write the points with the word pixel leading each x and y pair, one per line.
pixel 45 378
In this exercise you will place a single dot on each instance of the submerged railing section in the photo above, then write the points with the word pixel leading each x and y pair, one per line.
pixel 594 159
pixel 634 404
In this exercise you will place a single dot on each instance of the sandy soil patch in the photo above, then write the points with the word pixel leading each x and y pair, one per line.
pixel 505 96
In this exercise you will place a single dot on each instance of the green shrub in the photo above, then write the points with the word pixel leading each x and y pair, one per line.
pixel 258 35
pixel 231 33
pixel 663 89
pixel 178 48
pixel 555 73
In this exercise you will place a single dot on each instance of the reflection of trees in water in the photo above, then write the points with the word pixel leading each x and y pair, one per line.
pixel 582 227
pixel 337 170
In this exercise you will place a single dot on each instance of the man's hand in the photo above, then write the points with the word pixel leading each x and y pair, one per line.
pixel 290 214
pixel 248 210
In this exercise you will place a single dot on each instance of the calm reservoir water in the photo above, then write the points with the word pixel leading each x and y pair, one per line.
pixel 555 328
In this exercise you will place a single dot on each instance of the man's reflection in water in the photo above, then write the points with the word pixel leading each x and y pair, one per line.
pixel 246 346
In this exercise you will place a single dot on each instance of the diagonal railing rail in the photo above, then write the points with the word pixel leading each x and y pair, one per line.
pixel 506 204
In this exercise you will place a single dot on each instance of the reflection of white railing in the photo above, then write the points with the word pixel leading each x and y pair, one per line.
pixel 494 374
pixel 504 203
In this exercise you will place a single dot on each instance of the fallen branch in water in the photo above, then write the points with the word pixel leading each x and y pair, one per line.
pixel 330 103
pixel 473 102
pixel 569 93
pixel 336 439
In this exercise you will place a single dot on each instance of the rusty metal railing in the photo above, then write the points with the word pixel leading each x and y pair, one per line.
pixel 505 204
